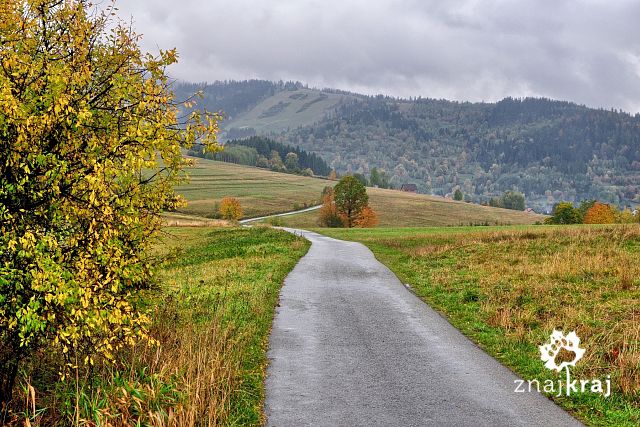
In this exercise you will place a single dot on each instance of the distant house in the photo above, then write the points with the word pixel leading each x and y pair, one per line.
pixel 411 188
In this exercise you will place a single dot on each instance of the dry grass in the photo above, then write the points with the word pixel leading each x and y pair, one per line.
pixel 211 316
pixel 262 192
pixel 402 209
pixel 582 279
pixel 509 288
pixel 183 220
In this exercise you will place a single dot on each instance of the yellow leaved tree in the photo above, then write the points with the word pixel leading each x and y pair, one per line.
pixel 90 140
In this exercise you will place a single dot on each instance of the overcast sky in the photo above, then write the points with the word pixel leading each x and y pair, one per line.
pixel 582 51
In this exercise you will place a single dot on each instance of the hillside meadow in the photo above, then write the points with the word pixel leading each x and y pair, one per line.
pixel 260 191
pixel 507 288
pixel 402 209
pixel 263 192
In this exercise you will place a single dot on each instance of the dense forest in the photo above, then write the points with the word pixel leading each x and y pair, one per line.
pixel 549 150
pixel 266 153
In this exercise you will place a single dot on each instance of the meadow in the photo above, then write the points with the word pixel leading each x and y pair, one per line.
pixel 403 209
pixel 508 288
pixel 263 192
pixel 211 311
pixel 260 191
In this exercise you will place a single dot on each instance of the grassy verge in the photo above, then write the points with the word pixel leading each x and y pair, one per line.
pixel 211 314
pixel 507 289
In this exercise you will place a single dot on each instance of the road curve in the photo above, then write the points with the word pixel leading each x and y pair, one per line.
pixel 248 220
pixel 351 346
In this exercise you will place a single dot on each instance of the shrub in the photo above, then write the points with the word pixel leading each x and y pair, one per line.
pixel 367 218
pixel 89 155
pixel 230 209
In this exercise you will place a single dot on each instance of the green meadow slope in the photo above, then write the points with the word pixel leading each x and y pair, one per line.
pixel 263 192
pixel 288 109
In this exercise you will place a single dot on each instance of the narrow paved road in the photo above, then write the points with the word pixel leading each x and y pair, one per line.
pixel 312 208
pixel 351 346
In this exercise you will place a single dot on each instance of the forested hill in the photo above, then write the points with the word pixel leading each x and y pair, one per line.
pixel 549 150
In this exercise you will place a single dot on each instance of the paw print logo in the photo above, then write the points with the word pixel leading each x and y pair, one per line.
pixel 558 341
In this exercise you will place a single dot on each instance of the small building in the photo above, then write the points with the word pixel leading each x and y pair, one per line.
pixel 411 188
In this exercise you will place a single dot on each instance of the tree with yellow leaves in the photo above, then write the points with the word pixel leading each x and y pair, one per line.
pixel 89 154
pixel 230 209
pixel 600 213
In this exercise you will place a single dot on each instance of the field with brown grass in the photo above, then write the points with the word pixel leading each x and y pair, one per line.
pixel 402 209
pixel 263 192
pixel 508 289
pixel 260 191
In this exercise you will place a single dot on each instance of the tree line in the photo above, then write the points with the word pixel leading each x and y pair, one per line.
pixel 268 154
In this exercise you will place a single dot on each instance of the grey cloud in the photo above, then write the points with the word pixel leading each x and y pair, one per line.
pixel 583 51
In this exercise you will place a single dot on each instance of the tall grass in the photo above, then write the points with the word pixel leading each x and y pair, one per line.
pixel 508 288
pixel 211 315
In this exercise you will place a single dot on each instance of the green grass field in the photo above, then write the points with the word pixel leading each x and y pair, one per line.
pixel 507 288
pixel 262 192
pixel 211 310
pixel 288 109
pixel 228 280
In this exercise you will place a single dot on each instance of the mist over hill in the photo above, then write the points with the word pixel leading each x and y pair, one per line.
pixel 549 150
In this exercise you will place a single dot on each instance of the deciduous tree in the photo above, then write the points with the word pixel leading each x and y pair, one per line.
pixel 89 153
pixel 291 162
pixel 328 215
pixel 600 213
pixel 350 198
pixel 564 213
pixel 230 209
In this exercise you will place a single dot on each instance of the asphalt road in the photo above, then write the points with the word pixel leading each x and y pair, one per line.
pixel 249 220
pixel 351 346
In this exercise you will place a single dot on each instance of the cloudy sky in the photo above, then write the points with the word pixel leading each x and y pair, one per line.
pixel 582 51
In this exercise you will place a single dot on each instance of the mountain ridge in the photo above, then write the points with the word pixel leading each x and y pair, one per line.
pixel 549 150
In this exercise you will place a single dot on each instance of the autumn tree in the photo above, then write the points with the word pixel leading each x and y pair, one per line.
pixel 600 213
pixel 582 209
pixel 230 209
pixel 625 216
pixel 328 215
pixel 367 218
pixel 89 153
pixel 350 198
